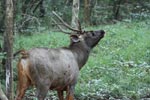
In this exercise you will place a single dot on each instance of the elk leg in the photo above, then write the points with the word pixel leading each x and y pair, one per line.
pixel 42 90
pixel 70 93
pixel 60 95
pixel 70 97
pixel 23 84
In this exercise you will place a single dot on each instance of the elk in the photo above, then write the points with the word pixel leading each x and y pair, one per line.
pixel 56 68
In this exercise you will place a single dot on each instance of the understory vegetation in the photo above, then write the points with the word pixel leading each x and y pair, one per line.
pixel 118 67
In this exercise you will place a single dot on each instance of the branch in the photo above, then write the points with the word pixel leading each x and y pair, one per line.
pixel 27 19
pixel 37 5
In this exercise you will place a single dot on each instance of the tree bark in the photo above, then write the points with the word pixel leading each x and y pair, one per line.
pixel 75 14
pixel 116 9
pixel 87 11
pixel 8 47
pixel 2 14
pixel 42 9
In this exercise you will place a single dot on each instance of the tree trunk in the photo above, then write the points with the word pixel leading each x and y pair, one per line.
pixel 75 14
pixel 2 95
pixel 42 9
pixel 2 14
pixel 8 47
pixel 116 9
pixel 87 12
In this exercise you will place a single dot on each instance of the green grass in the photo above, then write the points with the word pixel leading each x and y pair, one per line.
pixel 118 67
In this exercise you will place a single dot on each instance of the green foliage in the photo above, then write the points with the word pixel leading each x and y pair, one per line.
pixel 2 55
pixel 28 17
pixel 47 39
pixel 118 67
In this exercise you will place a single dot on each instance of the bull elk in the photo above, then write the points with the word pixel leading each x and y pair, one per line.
pixel 56 69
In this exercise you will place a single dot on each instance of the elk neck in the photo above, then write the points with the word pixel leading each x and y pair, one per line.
pixel 81 52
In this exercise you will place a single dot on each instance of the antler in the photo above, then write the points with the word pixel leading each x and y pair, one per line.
pixel 79 27
pixel 59 26
pixel 65 24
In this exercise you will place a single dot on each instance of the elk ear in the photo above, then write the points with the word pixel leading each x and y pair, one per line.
pixel 75 38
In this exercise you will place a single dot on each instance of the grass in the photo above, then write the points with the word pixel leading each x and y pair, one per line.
pixel 118 67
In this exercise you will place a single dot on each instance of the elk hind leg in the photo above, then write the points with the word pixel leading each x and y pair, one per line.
pixel 23 82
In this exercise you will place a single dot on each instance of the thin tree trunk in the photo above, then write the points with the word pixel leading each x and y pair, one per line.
pixel 2 14
pixel 42 9
pixel 87 11
pixel 8 47
pixel 116 9
pixel 75 14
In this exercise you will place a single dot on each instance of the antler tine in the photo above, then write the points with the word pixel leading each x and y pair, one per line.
pixel 61 29
pixel 64 23
pixel 79 26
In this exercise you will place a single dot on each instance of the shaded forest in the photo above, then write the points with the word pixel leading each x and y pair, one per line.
pixel 32 15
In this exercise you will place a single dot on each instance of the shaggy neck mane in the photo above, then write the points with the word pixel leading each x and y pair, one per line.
pixel 81 52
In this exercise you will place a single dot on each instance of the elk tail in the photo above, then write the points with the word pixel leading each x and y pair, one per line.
pixel 23 52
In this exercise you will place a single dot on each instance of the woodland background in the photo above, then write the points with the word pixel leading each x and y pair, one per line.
pixel 118 67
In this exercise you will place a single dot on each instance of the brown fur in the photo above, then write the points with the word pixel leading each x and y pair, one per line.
pixel 55 69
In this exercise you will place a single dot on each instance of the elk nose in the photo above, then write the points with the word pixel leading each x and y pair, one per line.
pixel 102 32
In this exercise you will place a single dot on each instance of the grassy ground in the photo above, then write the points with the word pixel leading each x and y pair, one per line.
pixel 118 67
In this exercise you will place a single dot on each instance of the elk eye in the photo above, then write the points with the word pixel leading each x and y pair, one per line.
pixel 93 34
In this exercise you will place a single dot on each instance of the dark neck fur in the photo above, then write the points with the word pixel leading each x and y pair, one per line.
pixel 81 52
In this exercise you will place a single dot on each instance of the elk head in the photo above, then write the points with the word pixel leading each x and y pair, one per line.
pixel 81 41
pixel 89 38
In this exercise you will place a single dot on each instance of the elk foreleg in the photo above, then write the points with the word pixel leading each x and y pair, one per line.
pixel 42 89
pixel 70 93
pixel 60 95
